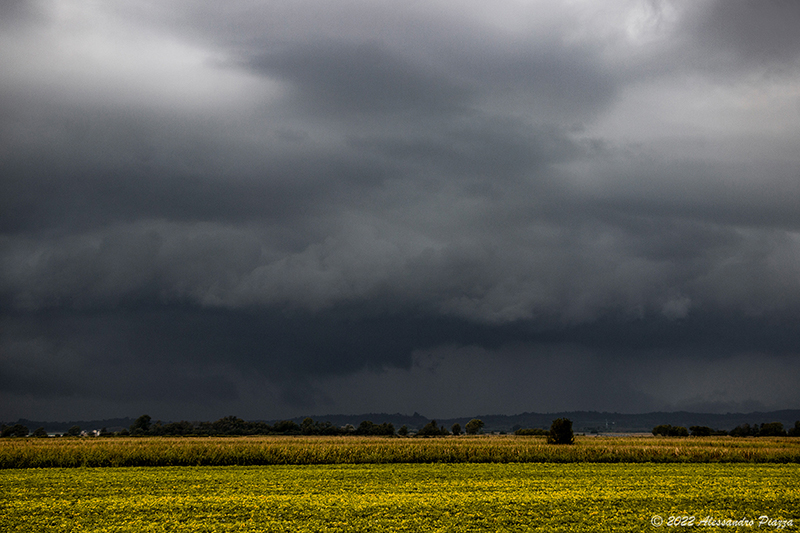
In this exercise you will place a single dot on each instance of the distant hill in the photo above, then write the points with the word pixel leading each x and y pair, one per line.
pixel 583 421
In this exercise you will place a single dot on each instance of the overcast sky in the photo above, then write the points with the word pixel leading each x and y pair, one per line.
pixel 302 207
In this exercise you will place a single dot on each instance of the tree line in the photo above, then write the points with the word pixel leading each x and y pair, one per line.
pixel 144 426
pixel 560 432
pixel 769 429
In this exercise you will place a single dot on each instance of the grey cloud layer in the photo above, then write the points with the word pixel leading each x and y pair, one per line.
pixel 300 190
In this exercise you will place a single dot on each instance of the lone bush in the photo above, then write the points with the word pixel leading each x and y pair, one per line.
pixel 474 426
pixel 561 432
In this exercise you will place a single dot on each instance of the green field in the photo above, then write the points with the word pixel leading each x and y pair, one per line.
pixel 397 497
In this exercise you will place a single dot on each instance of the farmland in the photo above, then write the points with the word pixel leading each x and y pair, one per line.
pixel 395 497
pixel 244 451
pixel 390 484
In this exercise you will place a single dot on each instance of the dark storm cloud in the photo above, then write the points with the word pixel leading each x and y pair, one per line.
pixel 196 357
pixel 16 12
pixel 762 34
pixel 278 208
pixel 341 77
pixel 89 196
pixel 746 193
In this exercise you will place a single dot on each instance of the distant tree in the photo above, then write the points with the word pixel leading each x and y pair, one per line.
pixel 531 432
pixel 74 431
pixel 141 425
pixel 370 428
pixel 307 427
pixel 403 431
pixel 561 432
pixel 795 431
pixel 666 430
pixel 744 430
pixel 661 430
pixel 456 429
pixel 701 431
pixel 680 431
pixel 771 429
pixel 231 425
pixel 474 426
pixel 366 427
pixel 326 428
pixel 262 428
pixel 40 432
pixel 17 430
pixel 386 429
pixel 286 427
pixel 432 430
pixel 177 428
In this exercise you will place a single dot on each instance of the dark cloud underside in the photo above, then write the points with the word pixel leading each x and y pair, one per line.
pixel 285 208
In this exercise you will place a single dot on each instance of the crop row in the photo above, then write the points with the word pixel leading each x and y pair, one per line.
pixel 84 452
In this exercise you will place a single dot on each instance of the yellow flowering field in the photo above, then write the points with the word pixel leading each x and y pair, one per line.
pixel 404 497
